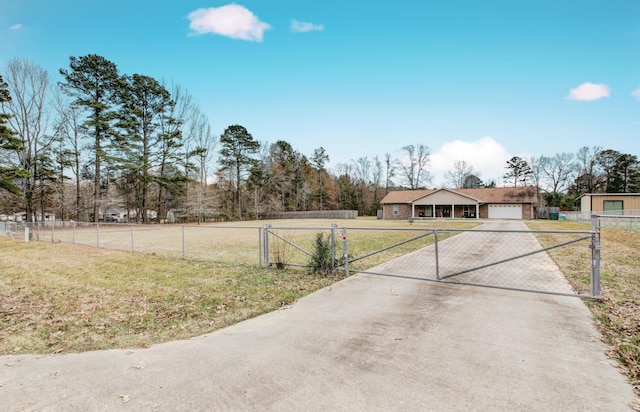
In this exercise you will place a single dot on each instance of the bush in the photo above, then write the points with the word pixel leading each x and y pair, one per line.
pixel 321 262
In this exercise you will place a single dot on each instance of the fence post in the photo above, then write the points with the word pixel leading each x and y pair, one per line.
pixel 133 247
pixel 26 233
pixel 345 251
pixel 53 226
pixel 98 235
pixel 595 257
pixel 260 247
pixel 266 245
pixel 73 240
pixel 333 246
pixel 435 241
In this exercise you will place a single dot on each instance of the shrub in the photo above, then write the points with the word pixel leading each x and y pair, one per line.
pixel 321 262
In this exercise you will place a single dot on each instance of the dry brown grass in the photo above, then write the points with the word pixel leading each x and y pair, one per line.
pixel 617 315
pixel 57 297
pixel 60 297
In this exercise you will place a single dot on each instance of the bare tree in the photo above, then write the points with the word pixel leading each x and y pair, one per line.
pixel 29 86
pixel 71 135
pixel 589 178
pixel 202 146
pixel 376 178
pixel 181 131
pixel 361 172
pixel 457 177
pixel 345 187
pixel 559 171
pixel 414 165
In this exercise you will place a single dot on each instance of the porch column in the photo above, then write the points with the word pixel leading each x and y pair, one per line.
pixel 413 210
pixel 477 211
pixel 433 210
pixel 453 211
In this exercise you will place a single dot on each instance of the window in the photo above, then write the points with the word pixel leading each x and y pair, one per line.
pixel 613 207
pixel 395 209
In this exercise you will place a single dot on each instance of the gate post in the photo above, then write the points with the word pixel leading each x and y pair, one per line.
pixel 435 241
pixel 266 245
pixel 595 257
pixel 260 235
pixel 333 246
pixel 345 251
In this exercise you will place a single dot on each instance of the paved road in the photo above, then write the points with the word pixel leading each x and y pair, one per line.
pixel 368 343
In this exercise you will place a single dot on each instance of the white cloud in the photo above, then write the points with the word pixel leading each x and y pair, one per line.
pixel 636 93
pixel 304 27
pixel 487 157
pixel 16 27
pixel 589 91
pixel 232 20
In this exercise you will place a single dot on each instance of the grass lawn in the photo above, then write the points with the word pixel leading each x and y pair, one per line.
pixel 58 297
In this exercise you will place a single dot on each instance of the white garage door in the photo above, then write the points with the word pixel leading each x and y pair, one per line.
pixel 505 211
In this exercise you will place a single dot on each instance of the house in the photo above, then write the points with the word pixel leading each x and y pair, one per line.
pixel 610 203
pixel 485 203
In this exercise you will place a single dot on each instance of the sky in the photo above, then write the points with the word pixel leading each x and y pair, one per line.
pixel 475 81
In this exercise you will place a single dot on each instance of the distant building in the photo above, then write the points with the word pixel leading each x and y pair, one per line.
pixel 611 203
pixel 484 203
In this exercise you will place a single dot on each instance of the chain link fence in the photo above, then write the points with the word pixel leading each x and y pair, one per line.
pixel 626 223
pixel 625 220
pixel 506 259
pixel 222 244
pixel 510 259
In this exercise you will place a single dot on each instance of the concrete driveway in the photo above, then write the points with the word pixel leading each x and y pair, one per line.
pixel 368 343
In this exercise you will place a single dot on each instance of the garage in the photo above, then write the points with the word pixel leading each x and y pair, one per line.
pixel 505 211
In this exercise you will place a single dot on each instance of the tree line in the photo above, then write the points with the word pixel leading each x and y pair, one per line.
pixel 99 140
pixel 564 177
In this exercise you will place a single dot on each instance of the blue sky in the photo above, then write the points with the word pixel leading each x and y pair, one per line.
pixel 474 81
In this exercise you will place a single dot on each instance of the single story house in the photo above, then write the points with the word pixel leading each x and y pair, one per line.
pixel 611 203
pixel 485 203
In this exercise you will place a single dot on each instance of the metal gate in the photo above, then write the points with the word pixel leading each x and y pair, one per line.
pixel 506 259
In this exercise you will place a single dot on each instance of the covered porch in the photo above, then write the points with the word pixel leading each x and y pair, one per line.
pixel 445 204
